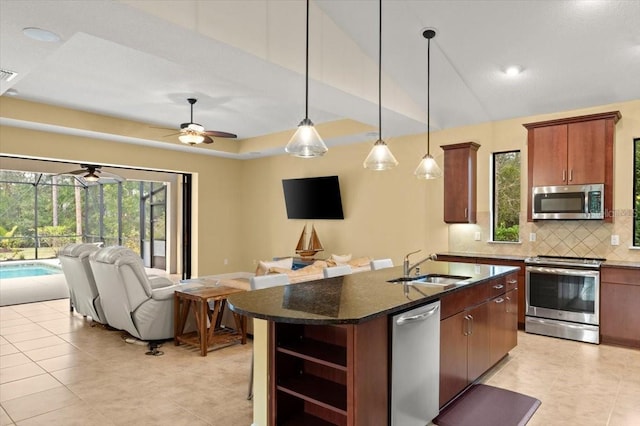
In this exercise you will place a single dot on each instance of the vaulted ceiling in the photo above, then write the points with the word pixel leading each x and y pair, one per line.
pixel 244 60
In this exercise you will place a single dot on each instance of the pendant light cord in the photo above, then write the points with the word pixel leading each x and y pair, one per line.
pixel 428 95
pixel 380 75
pixel 306 89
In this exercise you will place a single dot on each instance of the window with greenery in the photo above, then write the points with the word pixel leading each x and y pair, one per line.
pixel 505 220
pixel 41 213
pixel 636 193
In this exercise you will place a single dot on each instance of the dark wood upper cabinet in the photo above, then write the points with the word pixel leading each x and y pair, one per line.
pixel 460 182
pixel 572 151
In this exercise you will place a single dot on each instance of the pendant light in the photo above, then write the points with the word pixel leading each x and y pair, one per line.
pixel 306 142
pixel 428 168
pixel 380 157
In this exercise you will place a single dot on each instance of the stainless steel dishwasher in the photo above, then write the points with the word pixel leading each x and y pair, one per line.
pixel 415 366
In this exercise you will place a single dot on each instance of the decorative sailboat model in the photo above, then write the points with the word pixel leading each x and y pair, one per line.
pixel 308 248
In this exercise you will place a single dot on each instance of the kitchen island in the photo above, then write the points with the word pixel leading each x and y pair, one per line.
pixel 327 344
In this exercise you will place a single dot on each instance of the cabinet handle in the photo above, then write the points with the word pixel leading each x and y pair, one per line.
pixel 512 282
pixel 471 324
pixel 571 175
pixel 465 211
pixel 564 175
pixel 498 287
pixel 506 306
pixel 499 300
pixel 465 328
pixel 419 317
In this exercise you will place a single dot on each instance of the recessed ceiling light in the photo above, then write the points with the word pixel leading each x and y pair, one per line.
pixel 513 70
pixel 40 34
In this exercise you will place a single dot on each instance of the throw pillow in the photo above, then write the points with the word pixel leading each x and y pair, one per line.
pixel 360 262
pixel 341 259
pixel 264 266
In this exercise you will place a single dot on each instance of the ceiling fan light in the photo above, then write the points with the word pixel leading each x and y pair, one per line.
pixel 191 138
pixel 91 177
pixel 306 142
pixel 380 157
pixel 428 168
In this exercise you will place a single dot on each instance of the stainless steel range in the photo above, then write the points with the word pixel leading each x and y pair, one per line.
pixel 563 297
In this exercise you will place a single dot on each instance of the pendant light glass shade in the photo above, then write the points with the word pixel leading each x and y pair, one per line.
pixel 380 156
pixel 306 142
pixel 428 168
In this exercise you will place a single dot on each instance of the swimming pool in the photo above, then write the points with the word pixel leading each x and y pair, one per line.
pixel 27 269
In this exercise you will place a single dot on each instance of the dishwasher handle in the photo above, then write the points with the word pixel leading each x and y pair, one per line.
pixel 419 317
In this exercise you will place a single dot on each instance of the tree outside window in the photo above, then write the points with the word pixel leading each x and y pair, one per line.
pixel 506 196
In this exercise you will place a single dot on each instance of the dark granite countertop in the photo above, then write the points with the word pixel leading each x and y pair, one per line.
pixel 357 297
pixel 622 264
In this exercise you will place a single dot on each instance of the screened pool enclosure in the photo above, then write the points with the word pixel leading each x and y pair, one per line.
pixel 41 213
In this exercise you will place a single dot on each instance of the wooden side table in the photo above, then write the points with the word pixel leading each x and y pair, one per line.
pixel 206 319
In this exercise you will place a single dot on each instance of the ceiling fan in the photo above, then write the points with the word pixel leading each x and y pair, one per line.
pixel 94 173
pixel 193 133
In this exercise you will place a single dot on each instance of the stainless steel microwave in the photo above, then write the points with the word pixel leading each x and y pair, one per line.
pixel 568 202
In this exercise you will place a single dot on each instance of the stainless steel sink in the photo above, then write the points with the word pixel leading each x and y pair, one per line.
pixel 437 279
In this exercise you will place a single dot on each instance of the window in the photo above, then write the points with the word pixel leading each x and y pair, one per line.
pixel 636 192
pixel 505 218
pixel 41 213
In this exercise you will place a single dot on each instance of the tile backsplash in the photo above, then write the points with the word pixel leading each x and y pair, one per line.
pixel 581 238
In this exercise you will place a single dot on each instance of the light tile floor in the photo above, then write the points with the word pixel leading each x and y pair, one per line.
pixel 57 369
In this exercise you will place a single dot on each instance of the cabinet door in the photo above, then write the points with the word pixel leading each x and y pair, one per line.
pixel 512 317
pixel 453 356
pixel 549 161
pixel 479 342
pixel 586 152
pixel 498 328
pixel 460 163
pixel 619 315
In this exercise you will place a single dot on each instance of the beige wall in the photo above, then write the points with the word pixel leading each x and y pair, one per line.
pixel 239 211
pixel 216 185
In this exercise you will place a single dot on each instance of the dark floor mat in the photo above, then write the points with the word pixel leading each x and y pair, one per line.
pixel 483 405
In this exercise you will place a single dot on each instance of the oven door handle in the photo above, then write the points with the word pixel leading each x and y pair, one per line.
pixel 561 271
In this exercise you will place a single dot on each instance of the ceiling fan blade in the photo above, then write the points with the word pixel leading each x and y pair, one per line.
pixel 75 172
pixel 207 139
pixel 219 134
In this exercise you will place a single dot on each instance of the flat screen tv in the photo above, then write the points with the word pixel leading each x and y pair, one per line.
pixel 313 198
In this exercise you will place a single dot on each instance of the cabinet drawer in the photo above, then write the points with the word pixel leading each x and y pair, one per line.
pixel 457 302
pixel 620 275
pixel 498 287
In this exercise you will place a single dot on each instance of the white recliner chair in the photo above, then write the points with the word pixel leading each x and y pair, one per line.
pixel 130 301
pixel 85 299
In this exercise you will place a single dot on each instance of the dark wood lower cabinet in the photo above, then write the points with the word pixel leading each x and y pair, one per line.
pixel 453 356
pixel 479 341
pixel 313 377
pixel 520 278
pixel 478 329
pixel 619 303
